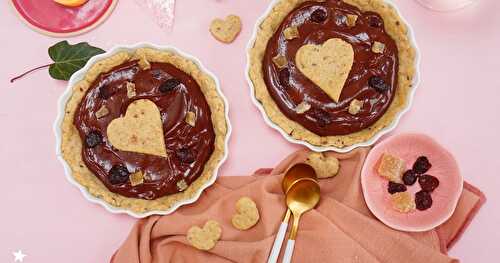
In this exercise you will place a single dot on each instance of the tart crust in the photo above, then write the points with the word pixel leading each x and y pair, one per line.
pixel 72 143
pixel 394 26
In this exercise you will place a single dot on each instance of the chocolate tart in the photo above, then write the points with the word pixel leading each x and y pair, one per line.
pixel 192 130
pixel 379 83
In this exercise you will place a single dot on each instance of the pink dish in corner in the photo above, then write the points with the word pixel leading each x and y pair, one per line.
pixel 444 167
pixel 52 19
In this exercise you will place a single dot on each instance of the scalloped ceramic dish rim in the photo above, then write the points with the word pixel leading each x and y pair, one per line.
pixel 411 229
pixel 63 99
pixel 316 148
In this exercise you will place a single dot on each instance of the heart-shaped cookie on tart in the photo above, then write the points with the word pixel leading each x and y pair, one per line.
pixel 144 129
pixel 332 74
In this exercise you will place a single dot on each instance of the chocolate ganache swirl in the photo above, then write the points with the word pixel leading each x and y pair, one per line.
pixel 175 93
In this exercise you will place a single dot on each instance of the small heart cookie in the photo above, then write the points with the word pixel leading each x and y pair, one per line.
pixel 328 65
pixel 226 30
pixel 204 238
pixel 325 166
pixel 247 214
pixel 140 130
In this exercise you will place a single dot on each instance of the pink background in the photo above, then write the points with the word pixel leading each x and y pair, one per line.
pixel 46 217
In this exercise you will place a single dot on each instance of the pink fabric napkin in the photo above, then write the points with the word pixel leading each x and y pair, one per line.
pixel 340 229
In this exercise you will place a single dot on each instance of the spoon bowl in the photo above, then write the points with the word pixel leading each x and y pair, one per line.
pixel 303 196
pixel 296 172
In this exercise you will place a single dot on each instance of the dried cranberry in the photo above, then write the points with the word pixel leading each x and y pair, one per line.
pixel 423 200
pixel 322 117
pixel 393 188
pixel 422 165
pixel 428 182
pixel 410 177
pixel 375 21
pixel 184 155
pixel 319 16
pixel 93 139
pixel 284 76
pixel 378 84
pixel 105 92
pixel 118 174
pixel 169 85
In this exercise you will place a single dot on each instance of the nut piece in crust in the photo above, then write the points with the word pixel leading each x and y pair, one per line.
pixel 247 214
pixel 325 166
pixel 391 168
pixel 226 30
pixel 204 238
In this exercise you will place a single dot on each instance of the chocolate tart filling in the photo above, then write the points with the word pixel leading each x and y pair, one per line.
pixel 372 78
pixel 188 147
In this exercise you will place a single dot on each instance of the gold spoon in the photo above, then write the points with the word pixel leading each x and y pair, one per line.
pixel 302 196
pixel 293 175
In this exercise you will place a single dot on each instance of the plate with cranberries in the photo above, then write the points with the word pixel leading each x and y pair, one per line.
pixel 411 183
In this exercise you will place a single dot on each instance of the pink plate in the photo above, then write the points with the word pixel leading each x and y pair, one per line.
pixel 409 147
pixel 50 18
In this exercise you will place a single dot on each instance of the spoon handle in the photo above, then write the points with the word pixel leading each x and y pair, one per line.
pixel 287 258
pixel 275 252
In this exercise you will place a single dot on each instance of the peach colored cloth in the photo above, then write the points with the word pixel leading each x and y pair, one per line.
pixel 340 229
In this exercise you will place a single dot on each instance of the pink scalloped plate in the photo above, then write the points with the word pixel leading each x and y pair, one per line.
pixel 444 166
pixel 50 18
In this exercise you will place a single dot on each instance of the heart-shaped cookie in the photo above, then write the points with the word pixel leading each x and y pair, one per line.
pixel 204 238
pixel 327 65
pixel 247 214
pixel 325 166
pixel 226 30
pixel 140 130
